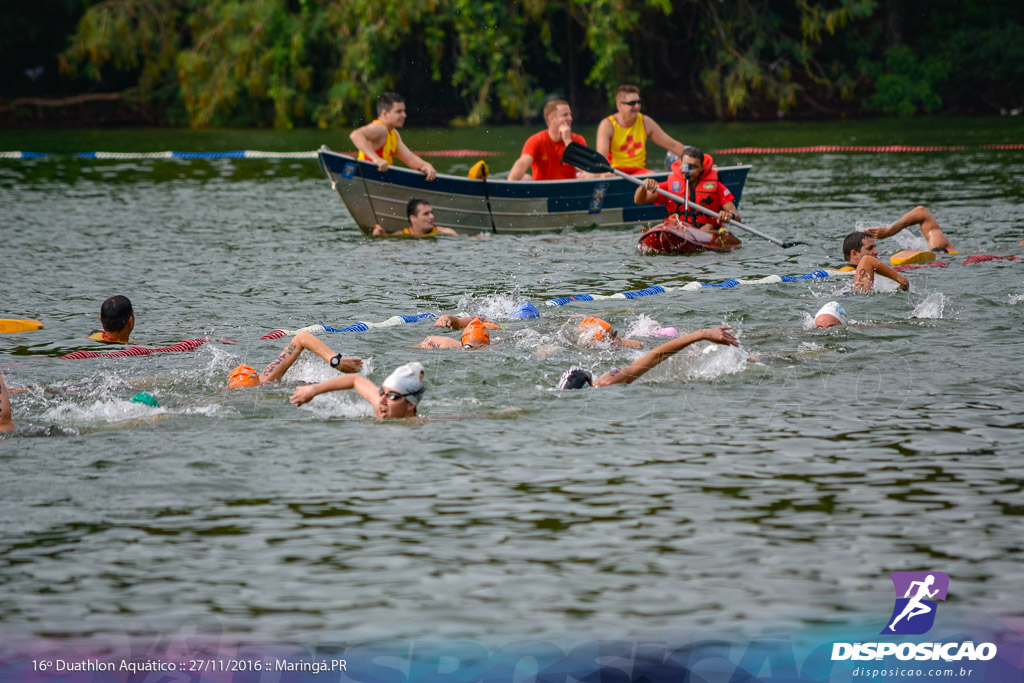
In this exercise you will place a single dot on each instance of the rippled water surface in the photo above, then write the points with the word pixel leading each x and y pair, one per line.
pixel 748 490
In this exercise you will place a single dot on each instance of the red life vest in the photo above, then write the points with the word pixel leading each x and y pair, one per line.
pixel 710 193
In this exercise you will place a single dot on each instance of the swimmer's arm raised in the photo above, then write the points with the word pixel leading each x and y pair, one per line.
pixel 456 322
pixel 648 361
pixel 363 387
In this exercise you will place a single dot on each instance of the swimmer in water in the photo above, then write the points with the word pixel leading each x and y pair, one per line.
pixel 830 315
pixel 930 229
pixel 595 329
pixel 862 257
pixel 245 376
pixel 577 378
pixel 474 333
pixel 118 320
pixel 397 397
pixel 6 421
pixel 421 222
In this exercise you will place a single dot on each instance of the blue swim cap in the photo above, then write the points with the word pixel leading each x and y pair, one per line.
pixel 525 310
pixel 143 397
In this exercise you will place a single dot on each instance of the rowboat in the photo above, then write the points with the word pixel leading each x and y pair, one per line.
pixel 675 237
pixel 473 206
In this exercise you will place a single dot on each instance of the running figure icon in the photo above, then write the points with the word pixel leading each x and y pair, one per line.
pixel 915 607
pixel 916 596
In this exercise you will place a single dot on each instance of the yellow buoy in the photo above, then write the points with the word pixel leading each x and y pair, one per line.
pixel 10 325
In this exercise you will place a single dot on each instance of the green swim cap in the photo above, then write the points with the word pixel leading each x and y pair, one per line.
pixel 143 397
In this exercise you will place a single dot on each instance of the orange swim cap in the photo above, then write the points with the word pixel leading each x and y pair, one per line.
pixel 243 376
pixel 597 328
pixel 476 331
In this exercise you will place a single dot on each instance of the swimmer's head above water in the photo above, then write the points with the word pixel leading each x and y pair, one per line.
pixel 401 392
pixel 475 335
pixel 243 376
pixel 576 378
pixel 829 315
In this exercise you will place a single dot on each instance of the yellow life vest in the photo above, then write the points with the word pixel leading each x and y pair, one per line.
pixel 388 149
pixel 432 233
pixel 98 335
pixel 629 145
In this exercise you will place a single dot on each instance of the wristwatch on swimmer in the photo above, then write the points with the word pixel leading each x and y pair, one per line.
pixel 336 361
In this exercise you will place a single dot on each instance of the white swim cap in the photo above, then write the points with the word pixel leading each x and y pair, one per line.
pixel 407 380
pixel 834 309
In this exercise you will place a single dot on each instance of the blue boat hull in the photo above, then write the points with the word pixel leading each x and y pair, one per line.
pixel 478 206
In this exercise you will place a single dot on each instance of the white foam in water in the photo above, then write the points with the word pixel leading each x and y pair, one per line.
pixel 493 306
pixel 930 308
pixel 99 411
pixel 884 285
pixel 1016 298
pixel 716 361
pixel 643 326
pixel 334 404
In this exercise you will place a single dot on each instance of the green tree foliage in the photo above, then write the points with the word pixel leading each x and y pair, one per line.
pixel 140 37
pixel 906 83
pixel 323 62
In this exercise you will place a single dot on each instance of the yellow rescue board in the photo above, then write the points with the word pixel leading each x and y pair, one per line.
pixel 902 258
pixel 9 325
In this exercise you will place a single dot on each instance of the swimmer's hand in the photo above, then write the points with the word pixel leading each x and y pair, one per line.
pixel 904 284
pixel 719 335
pixel 378 230
pixel 880 233
pixel 444 321
pixel 350 365
pixel 303 395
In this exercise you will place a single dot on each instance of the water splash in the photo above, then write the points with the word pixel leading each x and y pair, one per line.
pixel 97 412
pixel 930 308
pixel 643 326
pixel 493 306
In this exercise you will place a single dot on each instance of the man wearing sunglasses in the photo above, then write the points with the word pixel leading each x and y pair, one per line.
pixel 622 137
pixel 695 178
pixel 396 398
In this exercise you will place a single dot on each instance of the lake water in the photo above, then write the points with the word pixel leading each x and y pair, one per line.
pixel 744 491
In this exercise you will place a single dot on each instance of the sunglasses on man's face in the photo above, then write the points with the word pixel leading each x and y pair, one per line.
pixel 632 103
pixel 392 395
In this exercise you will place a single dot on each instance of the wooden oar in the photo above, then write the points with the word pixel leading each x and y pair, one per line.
pixel 592 161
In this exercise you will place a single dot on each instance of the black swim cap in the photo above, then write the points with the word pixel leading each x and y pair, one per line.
pixel 576 378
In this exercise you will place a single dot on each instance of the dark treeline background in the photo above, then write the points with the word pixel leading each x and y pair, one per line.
pixel 287 63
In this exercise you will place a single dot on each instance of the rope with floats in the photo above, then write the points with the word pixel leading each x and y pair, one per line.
pixel 354 327
pixel 689 287
pixel 258 154
pixel 822 274
pixel 235 154
pixel 183 345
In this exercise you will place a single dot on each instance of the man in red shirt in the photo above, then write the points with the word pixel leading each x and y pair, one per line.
pixel 543 151
pixel 693 177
